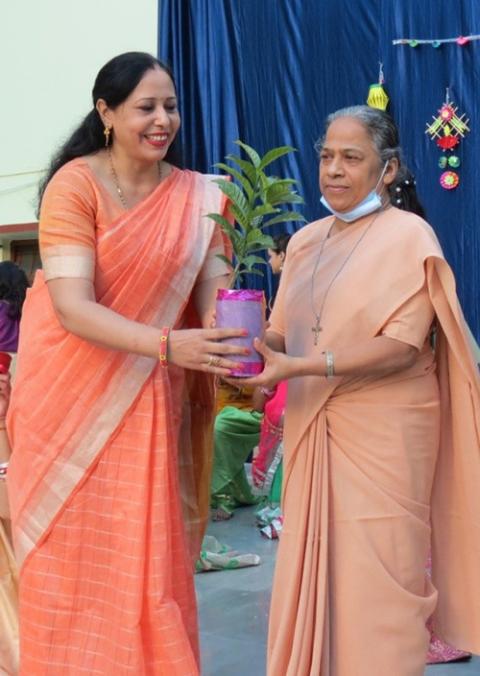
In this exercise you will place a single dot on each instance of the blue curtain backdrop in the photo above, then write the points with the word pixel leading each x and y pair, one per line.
pixel 269 71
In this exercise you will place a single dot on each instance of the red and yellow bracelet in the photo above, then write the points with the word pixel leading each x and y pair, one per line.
pixel 162 350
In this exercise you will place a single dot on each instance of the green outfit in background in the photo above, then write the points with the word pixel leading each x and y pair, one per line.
pixel 237 432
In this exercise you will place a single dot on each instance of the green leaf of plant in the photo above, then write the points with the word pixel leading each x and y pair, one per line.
pixel 292 198
pixel 284 217
pixel 260 243
pixel 282 196
pixel 253 234
pixel 264 210
pixel 235 237
pixel 252 271
pixel 279 193
pixel 243 180
pixel 241 219
pixel 235 194
pixel 274 154
pixel 220 220
pixel 246 166
pixel 251 260
pixel 253 155
pixel 274 180
pixel 225 260
pixel 255 203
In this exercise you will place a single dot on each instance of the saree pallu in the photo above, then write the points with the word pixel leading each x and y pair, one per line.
pixel 106 574
pixel 8 607
pixel 373 464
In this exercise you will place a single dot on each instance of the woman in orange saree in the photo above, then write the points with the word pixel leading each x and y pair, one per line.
pixel 98 426
pixel 381 438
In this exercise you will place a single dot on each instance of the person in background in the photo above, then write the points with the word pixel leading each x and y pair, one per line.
pixel 276 255
pixel 13 288
pixel 267 464
pixel 381 431
pixel 114 388
pixel 237 430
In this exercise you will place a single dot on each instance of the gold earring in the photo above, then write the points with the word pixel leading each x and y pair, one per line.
pixel 107 132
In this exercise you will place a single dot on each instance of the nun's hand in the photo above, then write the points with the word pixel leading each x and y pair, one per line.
pixel 277 366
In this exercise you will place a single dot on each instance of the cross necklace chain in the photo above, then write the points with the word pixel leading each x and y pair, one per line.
pixel 318 314
pixel 116 181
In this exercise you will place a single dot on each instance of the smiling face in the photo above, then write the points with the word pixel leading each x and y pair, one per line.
pixel 145 124
pixel 350 166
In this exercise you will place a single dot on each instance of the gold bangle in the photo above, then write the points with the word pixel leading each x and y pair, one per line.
pixel 162 350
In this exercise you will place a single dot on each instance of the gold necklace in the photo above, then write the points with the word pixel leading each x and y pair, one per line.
pixel 115 178
pixel 317 328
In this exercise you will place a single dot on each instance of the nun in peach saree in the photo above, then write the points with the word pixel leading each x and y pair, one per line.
pixel 381 439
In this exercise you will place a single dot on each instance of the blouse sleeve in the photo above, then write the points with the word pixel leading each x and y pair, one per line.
pixel 412 321
pixel 214 266
pixel 67 226
pixel 277 316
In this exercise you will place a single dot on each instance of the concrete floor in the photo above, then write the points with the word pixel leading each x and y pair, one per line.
pixel 233 608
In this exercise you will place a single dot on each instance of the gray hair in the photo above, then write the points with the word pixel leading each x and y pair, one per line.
pixel 384 134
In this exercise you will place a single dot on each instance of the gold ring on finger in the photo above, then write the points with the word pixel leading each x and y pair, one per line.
pixel 211 360
pixel 216 361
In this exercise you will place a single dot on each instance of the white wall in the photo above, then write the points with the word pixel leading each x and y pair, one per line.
pixel 50 51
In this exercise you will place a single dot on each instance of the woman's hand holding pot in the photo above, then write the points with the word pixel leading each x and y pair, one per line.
pixel 201 350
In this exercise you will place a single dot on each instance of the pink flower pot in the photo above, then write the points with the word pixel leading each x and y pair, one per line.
pixel 243 309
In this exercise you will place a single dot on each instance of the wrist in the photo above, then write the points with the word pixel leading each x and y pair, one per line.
pixel 310 366
pixel 300 366
pixel 163 352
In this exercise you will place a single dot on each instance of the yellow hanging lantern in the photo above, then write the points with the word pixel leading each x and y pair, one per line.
pixel 377 97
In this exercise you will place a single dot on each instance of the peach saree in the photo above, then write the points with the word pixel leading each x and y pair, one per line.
pixel 105 571
pixel 8 606
pixel 376 467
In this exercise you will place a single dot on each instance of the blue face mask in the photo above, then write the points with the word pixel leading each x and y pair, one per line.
pixel 372 202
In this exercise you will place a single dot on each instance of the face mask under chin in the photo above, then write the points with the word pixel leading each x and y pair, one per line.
pixel 371 203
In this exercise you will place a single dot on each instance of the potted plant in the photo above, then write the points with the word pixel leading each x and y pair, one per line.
pixel 257 201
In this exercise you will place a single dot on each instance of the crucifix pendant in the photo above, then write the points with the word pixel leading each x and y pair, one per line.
pixel 316 330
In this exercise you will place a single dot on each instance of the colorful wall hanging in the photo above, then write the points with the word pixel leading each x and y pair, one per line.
pixel 377 96
pixel 447 130
pixel 460 40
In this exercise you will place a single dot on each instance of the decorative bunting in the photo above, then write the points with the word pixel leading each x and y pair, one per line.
pixel 460 40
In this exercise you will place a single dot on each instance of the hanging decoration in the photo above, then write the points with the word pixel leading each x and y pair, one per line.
pixel 377 96
pixel 447 130
pixel 460 40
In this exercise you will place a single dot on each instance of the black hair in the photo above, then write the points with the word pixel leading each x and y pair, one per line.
pixel 114 83
pixel 384 134
pixel 13 287
pixel 280 243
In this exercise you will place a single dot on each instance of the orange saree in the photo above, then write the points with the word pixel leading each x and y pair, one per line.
pixel 106 581
pixel 375 468
pixel 8 607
